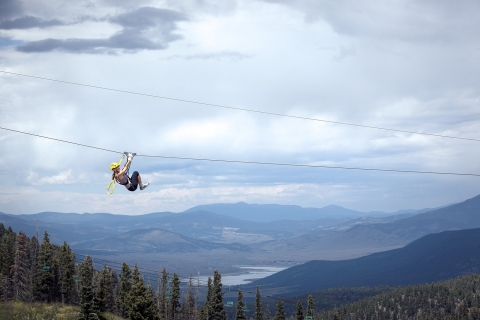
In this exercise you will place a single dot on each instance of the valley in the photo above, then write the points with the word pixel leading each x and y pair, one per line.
pixel 341 259
pixel 198 241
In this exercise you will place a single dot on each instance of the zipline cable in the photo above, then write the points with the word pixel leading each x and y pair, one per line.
pixel 254 162
pixel 239 109
pixel 60 140
pixel 150 272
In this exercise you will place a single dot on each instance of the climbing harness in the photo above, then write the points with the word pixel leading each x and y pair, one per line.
pixel 111 185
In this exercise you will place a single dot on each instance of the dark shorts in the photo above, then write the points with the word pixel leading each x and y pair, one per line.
pixel 134 181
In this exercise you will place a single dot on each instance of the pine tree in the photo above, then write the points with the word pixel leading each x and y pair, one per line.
pixel 88 309
pixel 4 263
pixel 207 308
pixel 7 258
pixel 175 299
pixel 124 290
pixel 310 307
pixel 141 303
pixel 66 274
pixel 280 315
pixel 299 313
pixel 111 286
pixel 268 315
pixel 3 269
pixel 152 303
pixel 202 313
pixel 100 298
pixel 33 249
pixel 162 303
pixel 218 313
pixel 189 312
pixel 258 305
pixel 45 277
pixel 240 314
pixel 19 270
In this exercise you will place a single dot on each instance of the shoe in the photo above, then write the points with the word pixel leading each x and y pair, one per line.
pixel 144 186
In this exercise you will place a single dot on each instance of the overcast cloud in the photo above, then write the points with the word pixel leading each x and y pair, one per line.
pixel 145 28
pixel 411 65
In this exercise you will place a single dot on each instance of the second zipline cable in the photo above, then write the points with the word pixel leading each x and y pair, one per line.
pixel 239 109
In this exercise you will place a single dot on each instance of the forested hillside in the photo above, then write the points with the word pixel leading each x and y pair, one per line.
pixel 43 272
pixel 334 297
pixel 453 299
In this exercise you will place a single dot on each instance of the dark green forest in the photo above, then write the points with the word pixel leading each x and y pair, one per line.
pixel 334 297
pixel 41 272
pixel 452 299
pixel 31 271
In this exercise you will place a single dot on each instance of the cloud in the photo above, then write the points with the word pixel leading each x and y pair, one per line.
pixel 29 22
pixel 148 17
pixel 9 8
pixel 406 20
pixel 64 177
pixel 223 55
pixel 146 28
pixel 343 66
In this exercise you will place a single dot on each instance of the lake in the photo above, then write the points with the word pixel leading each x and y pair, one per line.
pixel 250 273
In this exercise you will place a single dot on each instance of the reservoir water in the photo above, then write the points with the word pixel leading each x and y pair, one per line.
pixel 248 275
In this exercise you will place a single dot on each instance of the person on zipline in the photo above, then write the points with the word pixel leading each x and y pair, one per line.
pixel 121 175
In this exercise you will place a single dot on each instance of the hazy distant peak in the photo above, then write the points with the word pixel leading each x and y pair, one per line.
pixel 276 212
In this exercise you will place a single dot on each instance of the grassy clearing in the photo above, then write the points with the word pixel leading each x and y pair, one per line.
pixel 41 311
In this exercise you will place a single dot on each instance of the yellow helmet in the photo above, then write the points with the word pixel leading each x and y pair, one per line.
pixel 114 165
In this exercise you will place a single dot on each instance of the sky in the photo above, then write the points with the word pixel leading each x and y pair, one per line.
pixel 407 65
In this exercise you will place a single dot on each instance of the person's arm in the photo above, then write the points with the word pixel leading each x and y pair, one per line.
pixel 127 164
pixel 125 167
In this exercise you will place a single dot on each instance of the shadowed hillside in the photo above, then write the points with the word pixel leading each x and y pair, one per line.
pixel 435 257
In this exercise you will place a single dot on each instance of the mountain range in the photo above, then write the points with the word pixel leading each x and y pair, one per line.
pixel 219 235
pixel 275 212
pixel 336 233
pixel 367 238
pixel 196 223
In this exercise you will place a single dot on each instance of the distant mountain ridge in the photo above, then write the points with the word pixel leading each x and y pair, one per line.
pixel 240 210
pixel 432 258
pixel 59 232
pixel 275 212
pixel 463 215
pixel 285 240
pixel 233 226
pixel 364 238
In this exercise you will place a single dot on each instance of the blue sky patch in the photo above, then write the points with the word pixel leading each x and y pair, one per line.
pixel 7 42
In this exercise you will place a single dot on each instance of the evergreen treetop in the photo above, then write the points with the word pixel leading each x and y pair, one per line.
pixel 240 313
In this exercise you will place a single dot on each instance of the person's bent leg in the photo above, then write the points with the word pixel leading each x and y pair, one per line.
pixel 134 181
pixel 142 185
